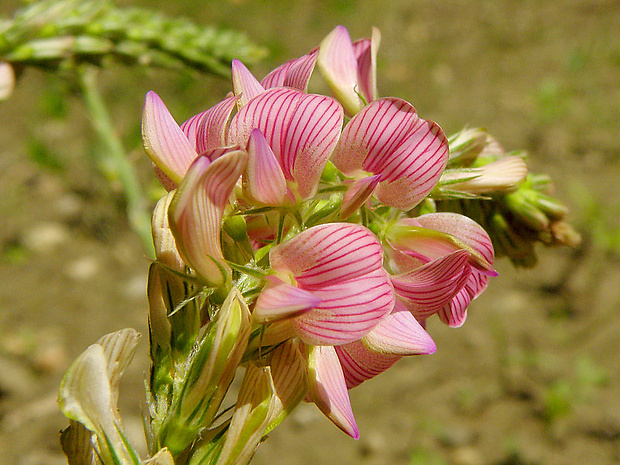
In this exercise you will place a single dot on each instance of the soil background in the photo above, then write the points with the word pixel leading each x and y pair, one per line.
pixel 533 377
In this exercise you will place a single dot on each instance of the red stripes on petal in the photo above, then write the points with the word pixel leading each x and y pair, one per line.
pixel 197 209
pixel 313 132
pixel 360 363
pixel 348 310
pixel 328 388
pixel 301 129
pixel 294 73
pixel 433 285
pixel 328 254
pixel 463 228
pixel 211 131
pixel 388 138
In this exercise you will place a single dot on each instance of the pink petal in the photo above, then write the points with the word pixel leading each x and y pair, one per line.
pixel 433 285
pixel 388 138
pixel 164 141
pixel 279 300
pixel 432 238
pixel 360 363
pixel 357 193
pixel 338 65
pixel 365 51
pixel 348 310
pixel 462 227
pixel 264 178
pixel 400 334
pixel 197 209
pixel 245 85
pixel 328 254
pixel 295 73
pixel 454 313
pixel 313 133
pixel 190 128
pixel 301 129
pixel 328 389
pixel 207 130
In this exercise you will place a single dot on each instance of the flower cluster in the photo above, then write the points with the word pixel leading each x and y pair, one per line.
pixel 291 242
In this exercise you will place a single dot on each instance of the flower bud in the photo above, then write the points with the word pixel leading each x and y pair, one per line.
pixel 88 396
pixel 496 177
pixel 466 145
pixel 209 374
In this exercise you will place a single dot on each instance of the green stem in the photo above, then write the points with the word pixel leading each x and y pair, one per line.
pixel 137 213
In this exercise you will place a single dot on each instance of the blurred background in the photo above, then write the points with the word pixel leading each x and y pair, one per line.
pixel 533 377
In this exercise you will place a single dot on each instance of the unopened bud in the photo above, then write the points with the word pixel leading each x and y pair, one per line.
pixel 522 204
pixel 209 374
pixel 163 240
pixel 253 413
pixel 466 145
pixel 496 177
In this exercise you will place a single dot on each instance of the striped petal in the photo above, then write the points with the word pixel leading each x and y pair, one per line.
pixel 295 73
pixel 348 310
pixel 301 129
pixel 279 300
pixel 245 85
pixel 357 193
pixel 432 286
pixel 207 130
pixel 197 209
pixel 466 230
pixel 388 138
pixel 432 238
pixel 360 363
pixel 454 314
pixel 164 141
pixel 328 254
pixel 263 180
pixel 399 334
pixel 288 368
pixel 338 65
pixel 328 388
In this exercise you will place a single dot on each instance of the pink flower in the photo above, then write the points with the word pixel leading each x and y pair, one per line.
pixel 445 261
pixel 329 288
pixel 329 281
pixel 301 131
pixel 391 152
pixel 288 134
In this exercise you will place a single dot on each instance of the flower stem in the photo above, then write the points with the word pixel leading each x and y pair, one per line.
pixel 115 156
